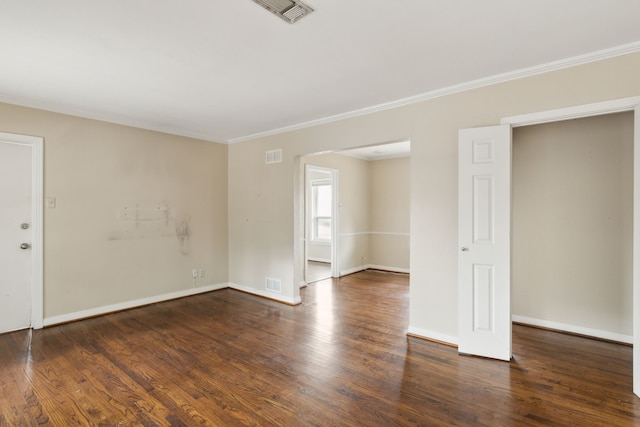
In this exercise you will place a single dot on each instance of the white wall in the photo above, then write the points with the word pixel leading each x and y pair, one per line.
pixel 573 223
pixel 432 126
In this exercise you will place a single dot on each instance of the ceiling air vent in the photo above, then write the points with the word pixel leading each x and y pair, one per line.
pixel 289 10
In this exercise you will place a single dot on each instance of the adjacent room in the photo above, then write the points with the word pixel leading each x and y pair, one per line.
pixel 171 172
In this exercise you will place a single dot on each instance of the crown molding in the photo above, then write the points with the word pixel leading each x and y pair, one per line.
pixel 108 118
pixel 462 87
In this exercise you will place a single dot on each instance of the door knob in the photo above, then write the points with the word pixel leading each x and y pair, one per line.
pixel 463 249
pixel 25 246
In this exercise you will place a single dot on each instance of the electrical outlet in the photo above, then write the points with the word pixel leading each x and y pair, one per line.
pixel 201 272
pixel 194 273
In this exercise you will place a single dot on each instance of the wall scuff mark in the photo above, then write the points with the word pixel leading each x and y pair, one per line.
pixel 182 231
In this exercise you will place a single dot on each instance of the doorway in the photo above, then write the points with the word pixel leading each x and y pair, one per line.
pixel 372 203
pixel 619 105
pixel 484 201
pixel 21 219
pixel 320 222
pixel 572 228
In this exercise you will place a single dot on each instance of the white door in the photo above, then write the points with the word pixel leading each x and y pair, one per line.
pixel 484 238
pixel 16 233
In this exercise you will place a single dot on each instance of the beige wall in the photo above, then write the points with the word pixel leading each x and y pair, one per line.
pixel 374 202
pixel 432 126
pixel 573 222
pixel 390 213
pixel 102 175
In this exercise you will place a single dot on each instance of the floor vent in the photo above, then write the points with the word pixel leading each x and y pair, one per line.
pixel 274 285
pixel 274 156
pixel 289 10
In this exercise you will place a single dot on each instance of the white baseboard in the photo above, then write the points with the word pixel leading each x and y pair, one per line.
pixel 375 267
pixel 92 312
pixel 352 270
pixel 266 294
pixel 433 336
pixel 387 268
pixel 596 333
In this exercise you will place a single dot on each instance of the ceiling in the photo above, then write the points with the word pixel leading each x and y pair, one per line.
pixel 228 70
pixel 380 152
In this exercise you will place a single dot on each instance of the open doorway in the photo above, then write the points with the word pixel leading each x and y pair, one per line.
pixel 371 202
pixel 492 146
pixel 572 227
pixel 619 105
pixel 320 219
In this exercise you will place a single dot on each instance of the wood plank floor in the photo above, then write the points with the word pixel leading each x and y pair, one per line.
pixel 339 359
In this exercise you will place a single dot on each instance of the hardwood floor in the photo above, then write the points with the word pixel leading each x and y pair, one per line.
pixel 318 271
pixel 340 358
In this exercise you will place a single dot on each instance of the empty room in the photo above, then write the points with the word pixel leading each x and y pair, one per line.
pixel 155 236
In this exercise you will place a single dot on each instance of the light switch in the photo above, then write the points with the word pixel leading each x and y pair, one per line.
pixel 51 202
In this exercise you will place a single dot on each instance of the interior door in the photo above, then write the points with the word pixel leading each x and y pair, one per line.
pixel 15 236
pixel 484 238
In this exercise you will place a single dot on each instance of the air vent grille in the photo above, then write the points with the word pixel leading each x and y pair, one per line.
pixel 289 10
pixel 274 285
pixel 274 156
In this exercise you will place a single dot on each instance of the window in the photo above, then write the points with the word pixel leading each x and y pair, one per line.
pixel 321 220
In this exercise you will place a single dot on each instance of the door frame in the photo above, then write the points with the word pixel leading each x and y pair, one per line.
pixel 37 225
pixel 334 216
pixel 598 109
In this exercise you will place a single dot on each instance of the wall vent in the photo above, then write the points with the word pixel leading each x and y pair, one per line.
pixel 289 10
pixel 274 156
pixel 274 285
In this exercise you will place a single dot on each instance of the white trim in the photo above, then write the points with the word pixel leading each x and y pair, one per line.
pixel 111 118
pixel 590 332
pixel 391 269
pixel 599 55
pixel 37 222
pixel 432 335
pixel 352 270
pixel 381 233
pixel 37 294
pixel 474 84
pixel 92 312
pixel 574 112
pixel 636 251
pixel 374 267
pixel 266 294
pixel 361 233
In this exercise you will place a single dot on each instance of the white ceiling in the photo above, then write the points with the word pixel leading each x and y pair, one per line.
pixel 380 152
pixel 225 70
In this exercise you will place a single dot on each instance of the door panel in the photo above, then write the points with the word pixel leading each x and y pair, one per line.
pixel 484 237
pixel 16 229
